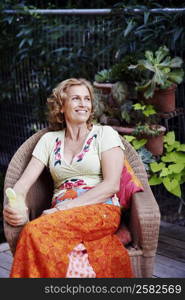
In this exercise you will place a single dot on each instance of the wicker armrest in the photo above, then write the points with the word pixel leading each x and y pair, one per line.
pixel 145 221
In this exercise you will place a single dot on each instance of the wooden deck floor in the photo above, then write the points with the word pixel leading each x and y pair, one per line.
pixel 170 259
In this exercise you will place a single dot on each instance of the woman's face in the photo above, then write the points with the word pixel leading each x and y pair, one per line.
pixel 77 108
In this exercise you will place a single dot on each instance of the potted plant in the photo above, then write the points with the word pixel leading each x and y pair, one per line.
pixel 109 101
pixel 169 170
pixel 158 79
pixel 154 137
pixel 147 128
pixel 145 155
pixel 103 81
pixel 118 72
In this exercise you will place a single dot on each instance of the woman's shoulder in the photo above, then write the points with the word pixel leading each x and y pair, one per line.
pixel 53 134
pixel 104 130
pixel 50 136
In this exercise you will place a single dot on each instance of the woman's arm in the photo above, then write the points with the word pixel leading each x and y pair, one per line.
pixel 112 165
pixel 14 216
pixel 29 176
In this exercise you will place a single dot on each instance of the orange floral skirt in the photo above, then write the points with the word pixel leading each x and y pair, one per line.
pixel 45 243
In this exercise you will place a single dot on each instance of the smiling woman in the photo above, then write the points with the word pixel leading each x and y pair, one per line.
pixel 85 162
pixel 68 93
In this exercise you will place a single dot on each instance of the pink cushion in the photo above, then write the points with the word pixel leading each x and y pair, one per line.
pixel 129 184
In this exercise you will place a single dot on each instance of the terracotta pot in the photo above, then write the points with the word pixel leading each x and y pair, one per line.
pixel 154 143
pixel 163 100
pixel 104 87
pixel 124 130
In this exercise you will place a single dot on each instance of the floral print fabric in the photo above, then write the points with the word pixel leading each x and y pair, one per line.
pixel 45 244
pixel 85 148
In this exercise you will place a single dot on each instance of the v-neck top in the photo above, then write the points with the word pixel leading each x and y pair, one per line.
pixel 85 168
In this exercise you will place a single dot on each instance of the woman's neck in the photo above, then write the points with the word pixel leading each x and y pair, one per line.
pixel 74 132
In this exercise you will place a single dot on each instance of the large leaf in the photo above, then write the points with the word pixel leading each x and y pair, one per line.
pixel 176 168
pixel 165 63
pixel 139 143
pixel 176 62
pixel 149 56
pixel 129 138
pixel 179 157
pixel 143 63
pixel 169 148
pixel 165 172
pixel 156 167
pixel 159 77
pixel 138 106
pixel 170 138
pixel 176 76
pixel 161 53
pixel 181 147
pixel 149 89
pixel 129 28
pixel 176 157
pixel 172 186
pixel 154 180
pixel 149 111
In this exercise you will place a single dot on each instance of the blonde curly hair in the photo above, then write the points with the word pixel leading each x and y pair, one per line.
pixel 56 100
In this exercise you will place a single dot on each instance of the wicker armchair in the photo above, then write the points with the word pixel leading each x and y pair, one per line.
pixel 144 216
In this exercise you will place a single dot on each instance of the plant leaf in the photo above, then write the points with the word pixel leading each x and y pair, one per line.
pixel 170 138
pixel 155 180
pixel 176 76
pixel 176 168
pixel 129 28
pixel 176 62
pixel 181 147
pixel 165 172
pixel 172 186
pixel 129 138
pixel 139 143
pixel 156 167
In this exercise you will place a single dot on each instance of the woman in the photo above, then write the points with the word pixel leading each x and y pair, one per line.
pixel 75 237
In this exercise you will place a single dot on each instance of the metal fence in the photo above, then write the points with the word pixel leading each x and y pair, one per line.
pixel 22 112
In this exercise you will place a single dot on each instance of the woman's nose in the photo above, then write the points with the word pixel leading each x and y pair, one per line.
pixel 82 101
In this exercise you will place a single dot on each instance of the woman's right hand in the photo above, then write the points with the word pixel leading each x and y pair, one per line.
pixel 16 216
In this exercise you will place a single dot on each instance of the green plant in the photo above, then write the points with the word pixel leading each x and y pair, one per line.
pixel 111 102
pixel 147 116
pixel 103 76
pixel 158 70
pixel 120 92
pixel 120 71
pixel 145 155
pixel 147 130
pixel 169 170
pixel 146 113
pixel 137 144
